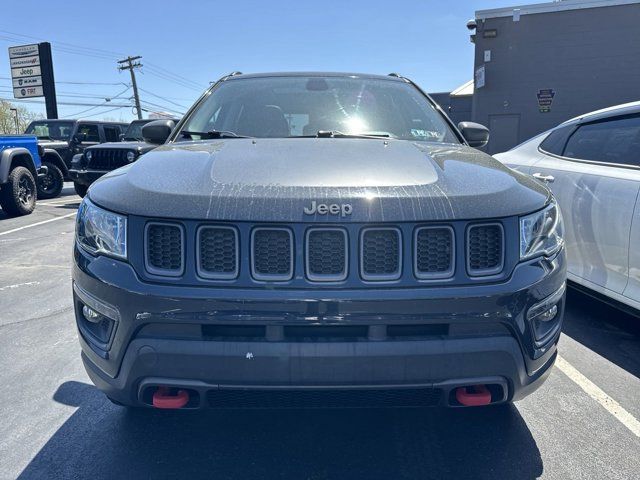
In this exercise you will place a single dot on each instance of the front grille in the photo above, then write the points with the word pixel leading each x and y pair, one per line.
pixel 329 398
pixel 107 158
pixel 164 249
pixel 434 256
pixel 326 254
pixel 243 253
pixel 380 254
pixel 272 254
pixel 485 249
pixel 217 252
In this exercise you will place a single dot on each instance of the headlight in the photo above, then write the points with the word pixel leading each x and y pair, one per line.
pixel 541 232
pixel 100 231
pixel 131 156
pixel 88 154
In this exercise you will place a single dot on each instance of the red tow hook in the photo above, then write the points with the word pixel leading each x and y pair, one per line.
pixel 162 398
pixel 473 395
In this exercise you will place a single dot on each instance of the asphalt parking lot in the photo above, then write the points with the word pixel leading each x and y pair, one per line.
pixel 583 423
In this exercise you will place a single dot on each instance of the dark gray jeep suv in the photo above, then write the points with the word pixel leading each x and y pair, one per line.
pixel 314 239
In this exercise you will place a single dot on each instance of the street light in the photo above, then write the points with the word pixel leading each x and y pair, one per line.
pixel 15 114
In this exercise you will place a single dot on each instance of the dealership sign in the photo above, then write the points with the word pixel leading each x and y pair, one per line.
pixel 26 74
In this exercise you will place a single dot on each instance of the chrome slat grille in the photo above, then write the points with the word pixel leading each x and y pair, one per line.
pixel 380 254
pixel 217 252
pixel 434 256
pixel 485 249
pixel 272 254
pixel 164 249
pixel 326 254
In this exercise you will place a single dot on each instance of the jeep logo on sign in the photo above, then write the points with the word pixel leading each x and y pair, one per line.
pixel 333 209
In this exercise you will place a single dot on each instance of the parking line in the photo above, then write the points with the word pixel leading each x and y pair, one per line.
pixel 595 392
pixel 37 223
pixel 61 201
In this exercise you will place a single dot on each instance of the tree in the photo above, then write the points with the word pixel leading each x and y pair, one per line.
pixel 8 118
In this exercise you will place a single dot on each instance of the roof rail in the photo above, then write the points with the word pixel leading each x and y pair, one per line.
pixel 224 77
pixel 394 74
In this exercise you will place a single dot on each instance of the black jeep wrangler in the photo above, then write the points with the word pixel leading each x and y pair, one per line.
pixel 67 138
pixel 97 160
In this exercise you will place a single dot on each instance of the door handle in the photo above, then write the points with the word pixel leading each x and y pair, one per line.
pixel 544 178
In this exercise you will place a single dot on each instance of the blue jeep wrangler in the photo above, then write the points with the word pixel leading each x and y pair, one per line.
pixel 20 166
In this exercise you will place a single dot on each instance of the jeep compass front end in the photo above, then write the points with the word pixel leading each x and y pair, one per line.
pixel 317 240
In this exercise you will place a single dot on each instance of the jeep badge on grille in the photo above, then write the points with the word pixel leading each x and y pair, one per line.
pixel 331 209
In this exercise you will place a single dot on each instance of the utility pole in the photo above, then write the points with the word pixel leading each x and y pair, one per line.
pixel 130 63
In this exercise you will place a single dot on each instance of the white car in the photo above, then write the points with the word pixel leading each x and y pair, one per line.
pixel 592 164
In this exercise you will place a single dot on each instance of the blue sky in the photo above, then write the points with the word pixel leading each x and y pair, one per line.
pixel 187 44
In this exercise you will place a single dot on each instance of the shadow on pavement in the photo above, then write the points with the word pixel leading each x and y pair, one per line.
pixel 101 440
pixel 611 333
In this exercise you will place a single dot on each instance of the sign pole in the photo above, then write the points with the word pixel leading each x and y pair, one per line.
pixel 48 83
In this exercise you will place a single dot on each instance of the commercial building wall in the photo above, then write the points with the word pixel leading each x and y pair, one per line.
pixel 584 58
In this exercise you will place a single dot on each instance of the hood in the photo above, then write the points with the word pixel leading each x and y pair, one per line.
pixel 276 179
pixel 137 146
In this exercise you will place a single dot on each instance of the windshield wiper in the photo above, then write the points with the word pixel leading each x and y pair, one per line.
pixel 338 134
pixel 213 134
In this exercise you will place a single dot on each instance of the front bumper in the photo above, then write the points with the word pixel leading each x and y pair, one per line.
pixel 168 335
pixel 86 177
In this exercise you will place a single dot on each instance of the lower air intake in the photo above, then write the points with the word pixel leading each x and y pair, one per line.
pixel 347 398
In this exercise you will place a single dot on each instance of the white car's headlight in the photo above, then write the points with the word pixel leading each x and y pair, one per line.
pixel 541 233
pixel 131 156
pixel 101 232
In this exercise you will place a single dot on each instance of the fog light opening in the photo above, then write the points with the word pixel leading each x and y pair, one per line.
pixel 90 314
pixel 95 327
pixel 548 315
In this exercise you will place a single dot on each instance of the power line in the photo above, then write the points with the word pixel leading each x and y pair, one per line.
pixel 94 107
pixel 78 82
pixel 171 74
pixel 99 113
pixel 173 80
pixel 76 104
pixel 163 98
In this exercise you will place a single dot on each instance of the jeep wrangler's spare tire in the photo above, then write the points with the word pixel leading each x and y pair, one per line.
pixel 18 195
pixel 51 184
pixel 80 189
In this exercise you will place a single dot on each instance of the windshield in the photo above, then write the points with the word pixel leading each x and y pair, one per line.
pixel 51 130
pixel 278 107
pixel 134 131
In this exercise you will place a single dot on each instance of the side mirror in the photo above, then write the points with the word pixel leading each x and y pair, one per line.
pixel 158 131
pixel 475 134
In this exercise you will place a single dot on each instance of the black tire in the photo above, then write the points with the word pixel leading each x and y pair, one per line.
pixel 80 189
pixel 51 184
pixel 18 196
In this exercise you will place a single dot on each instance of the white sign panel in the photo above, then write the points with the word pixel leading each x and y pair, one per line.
pixel 479 80
pixel 25 61
pixel 24 51
pixel 27 82
pixel 26 92
pixel 25 72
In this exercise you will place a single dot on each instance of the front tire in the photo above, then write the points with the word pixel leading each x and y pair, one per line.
pixel 80 189
pixel 18 196
pixel 51 184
